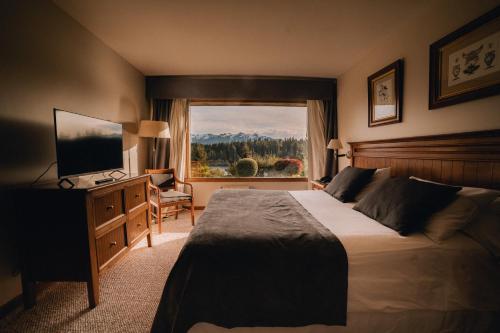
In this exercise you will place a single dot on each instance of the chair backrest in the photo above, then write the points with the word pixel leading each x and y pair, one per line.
pixel 163 178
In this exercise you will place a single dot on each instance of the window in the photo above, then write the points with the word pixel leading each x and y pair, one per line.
pixel 248 140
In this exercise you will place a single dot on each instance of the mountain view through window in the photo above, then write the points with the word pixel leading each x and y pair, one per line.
pixel 248 141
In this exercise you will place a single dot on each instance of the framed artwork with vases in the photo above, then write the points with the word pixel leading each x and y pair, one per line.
pixel 465 64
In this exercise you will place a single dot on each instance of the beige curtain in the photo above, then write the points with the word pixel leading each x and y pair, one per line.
pixel 179 130
pixel 316 143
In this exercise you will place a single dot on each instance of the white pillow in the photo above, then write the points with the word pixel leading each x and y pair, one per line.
pixel 378 177
pixel 444 223
pixel 470 202
pixel 486 229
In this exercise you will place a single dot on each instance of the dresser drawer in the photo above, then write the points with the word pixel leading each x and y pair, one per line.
pixel 137 225
pixel 135 195
pixel 109 245
pixel 108 206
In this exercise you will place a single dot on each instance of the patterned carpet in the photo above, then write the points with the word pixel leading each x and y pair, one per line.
pixel 129 292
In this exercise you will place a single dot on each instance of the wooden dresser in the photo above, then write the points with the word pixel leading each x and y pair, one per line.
pixel 75 234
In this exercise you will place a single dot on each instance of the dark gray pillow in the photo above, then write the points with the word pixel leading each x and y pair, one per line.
pixel 405 204
pixel 162 180
pixel 347 184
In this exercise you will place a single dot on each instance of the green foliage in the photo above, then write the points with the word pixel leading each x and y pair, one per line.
pixel 265 163
pixel 211 160
pixel 203 170
pixel 246 167
pixel 198 153
pixel 280 165
pixel 289 166
pixel 232 169
pixel 233 151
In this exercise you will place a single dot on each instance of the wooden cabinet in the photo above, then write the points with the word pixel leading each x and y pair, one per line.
pixel 75 234
pixel 110 244
pixel 316 185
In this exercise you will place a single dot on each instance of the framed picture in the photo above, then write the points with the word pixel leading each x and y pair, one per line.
pixel 464 65
pixel 385 95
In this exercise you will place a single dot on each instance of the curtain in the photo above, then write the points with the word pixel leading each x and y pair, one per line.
pixel 331 132
pixel 160 110
pixel 179 130
pixel 316 136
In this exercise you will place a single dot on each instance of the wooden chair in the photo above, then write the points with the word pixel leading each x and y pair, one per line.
pixel 165 194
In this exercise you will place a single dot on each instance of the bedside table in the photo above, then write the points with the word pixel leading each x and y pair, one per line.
pixel 316 185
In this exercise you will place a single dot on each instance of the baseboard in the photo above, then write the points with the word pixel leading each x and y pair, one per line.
pixel 17 302
pixel 11 305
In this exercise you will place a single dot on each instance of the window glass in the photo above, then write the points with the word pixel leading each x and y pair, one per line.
pixel 248 141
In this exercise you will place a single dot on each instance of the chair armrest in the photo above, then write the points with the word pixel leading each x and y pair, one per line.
pixel 177 180
pixel 154 188
pixel 156 191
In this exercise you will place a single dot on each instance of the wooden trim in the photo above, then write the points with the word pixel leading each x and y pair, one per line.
pixel 110 225
pixel 249 180
pixel 466 159
pixel 11 305
pixel 17 302
pixel 199 207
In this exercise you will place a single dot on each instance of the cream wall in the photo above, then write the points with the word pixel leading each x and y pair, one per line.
pixel 411 42
pixel 48 60
pixel 204 190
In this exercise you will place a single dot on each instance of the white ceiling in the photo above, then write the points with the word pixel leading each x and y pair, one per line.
pixel 242 37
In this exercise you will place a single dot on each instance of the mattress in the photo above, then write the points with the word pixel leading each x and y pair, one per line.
pixel 398 283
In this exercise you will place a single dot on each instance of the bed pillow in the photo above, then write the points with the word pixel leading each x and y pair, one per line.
pixel 454 217
pixel 485 229
pixel 457 215
pixel 483 197
pixel 405 204
pixel 162 180
pixel 347 184
pixel 378 177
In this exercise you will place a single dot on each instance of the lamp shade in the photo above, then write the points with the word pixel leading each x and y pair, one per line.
pixel 154 129
pixel 334 144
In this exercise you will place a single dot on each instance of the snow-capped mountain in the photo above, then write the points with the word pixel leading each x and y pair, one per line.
pixel 207 139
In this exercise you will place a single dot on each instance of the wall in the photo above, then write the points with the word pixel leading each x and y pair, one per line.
pixel 48 60
pixel 412 42
pixel 204 190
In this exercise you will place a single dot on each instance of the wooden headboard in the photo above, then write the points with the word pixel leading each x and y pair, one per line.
pixel 470 159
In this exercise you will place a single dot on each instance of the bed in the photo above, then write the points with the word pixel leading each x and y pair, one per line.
pixel 396 283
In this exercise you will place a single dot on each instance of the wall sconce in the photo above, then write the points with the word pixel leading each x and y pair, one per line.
pixel 336 144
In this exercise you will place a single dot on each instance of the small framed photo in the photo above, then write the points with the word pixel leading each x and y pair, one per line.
pixel 385 95
pixel 465 65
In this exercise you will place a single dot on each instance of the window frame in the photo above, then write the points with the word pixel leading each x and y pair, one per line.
pixel 208 102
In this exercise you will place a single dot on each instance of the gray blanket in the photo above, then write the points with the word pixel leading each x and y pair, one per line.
pixel 255 258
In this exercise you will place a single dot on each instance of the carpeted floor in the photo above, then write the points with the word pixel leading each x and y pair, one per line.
pixel 129 292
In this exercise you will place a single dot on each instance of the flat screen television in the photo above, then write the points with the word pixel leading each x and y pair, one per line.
pixel 86 145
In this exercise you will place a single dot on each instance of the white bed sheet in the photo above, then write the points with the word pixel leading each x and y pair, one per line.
pixel 389 272
pixel 402 284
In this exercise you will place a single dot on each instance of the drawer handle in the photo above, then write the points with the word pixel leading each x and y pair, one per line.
pixel 139 224
pixel 110 207
pixel 113 243
pixel 137 195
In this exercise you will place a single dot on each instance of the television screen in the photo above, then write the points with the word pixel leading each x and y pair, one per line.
pixel 86 145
